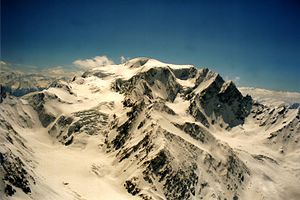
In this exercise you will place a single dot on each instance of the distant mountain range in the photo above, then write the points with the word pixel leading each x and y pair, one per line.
pixel 271 97
pixel 20 82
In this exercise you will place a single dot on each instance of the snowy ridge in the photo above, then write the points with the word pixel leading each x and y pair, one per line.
pixel 147 130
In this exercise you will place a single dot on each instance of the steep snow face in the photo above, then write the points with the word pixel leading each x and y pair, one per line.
pixel 147 130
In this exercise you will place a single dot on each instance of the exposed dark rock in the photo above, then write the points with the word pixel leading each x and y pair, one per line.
pixel 294 106
pixel 90 122
pixel 64 121
pixel 185 73
pixel 177 184
pixel 181 184
pixel 9 190
pixel 123 133
pixel 194 110
pixel 194 130
pixel 61 84
pixel 37 101
pixel 131 187
pixel 267 115
pixel 263 157
pixel 123 130
pixel 236 169
pixel 2 93
pixel 15 174
pixel 138 62
pixel 288 134
pixel 201 76
pixel 216 99
pixel 161 106
pixel 69 141
pixel 18 92
pixel 143 144
pixel 97 73
pixel 158 163
pixel 141 124
pixel 141 84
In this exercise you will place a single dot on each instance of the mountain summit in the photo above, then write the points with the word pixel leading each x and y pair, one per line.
pixel 146 129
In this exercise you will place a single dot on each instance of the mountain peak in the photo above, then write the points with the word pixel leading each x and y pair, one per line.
pixel 137 62
pixel 150 62
pixel 147 130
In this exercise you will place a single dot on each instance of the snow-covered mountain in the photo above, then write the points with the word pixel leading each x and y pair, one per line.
pixel 147 130
pixel 272 97
pixel 20 82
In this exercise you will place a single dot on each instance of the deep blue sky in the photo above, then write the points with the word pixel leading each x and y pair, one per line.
pixel 258 41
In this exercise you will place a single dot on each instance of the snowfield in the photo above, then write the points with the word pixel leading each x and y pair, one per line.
pixel 271 97
pixel 150 130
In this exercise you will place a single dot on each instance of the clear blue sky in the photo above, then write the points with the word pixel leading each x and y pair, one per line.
pixel 258 41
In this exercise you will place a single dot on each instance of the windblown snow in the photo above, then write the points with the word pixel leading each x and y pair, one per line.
pixel 148 130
